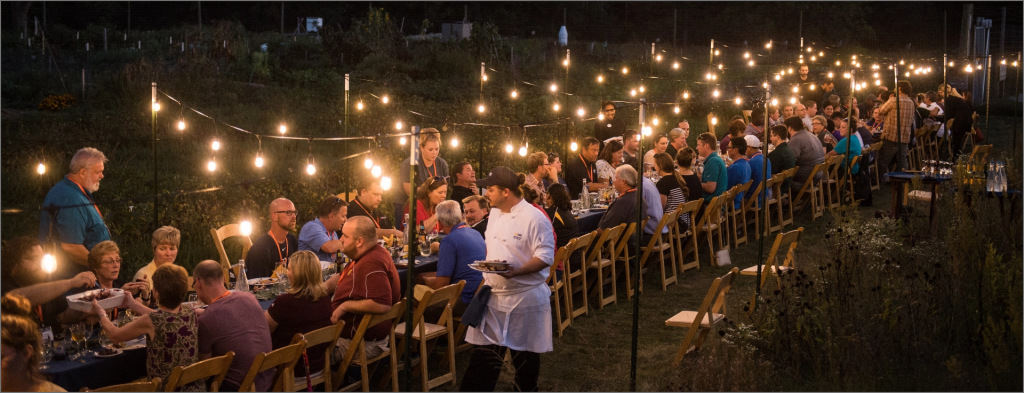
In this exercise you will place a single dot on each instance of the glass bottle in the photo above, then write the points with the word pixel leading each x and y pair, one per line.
pixel 1002 177
pixel 990 174
pixel 241 283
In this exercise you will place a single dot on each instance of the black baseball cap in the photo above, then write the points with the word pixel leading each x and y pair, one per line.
pixel 501 177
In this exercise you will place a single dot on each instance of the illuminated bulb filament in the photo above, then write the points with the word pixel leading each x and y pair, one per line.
pixel 283 129
pixel 310 169
pixel 654 121
pixel 368 163
pixel 211 165
pixel 359 105
pixel 554 88
pixel 714 93
pixel 49 263
pixel 580 112
pixel 156 107
pixel 480 108
pixel 245 228
pixel 686 95
pixel 402 141
pixel 259 161
pixel 556 107
pixel 181 125
pixel 385 183
pixel 41 169
pixel 455 142
pixel 376 171
pixel 625 70
pixel 384 99
pixel 522 151
pixel 676 110
pixel 572 146
pixel 398 125
pixel 508 148
pixel 514 94
pixel 675 65
pixel 215 145
pixel 739 101
pixel 714 121
pixel 600 79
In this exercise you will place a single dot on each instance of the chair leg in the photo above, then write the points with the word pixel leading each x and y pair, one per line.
pixel 424 355
pixel 558 312
pixel 691 333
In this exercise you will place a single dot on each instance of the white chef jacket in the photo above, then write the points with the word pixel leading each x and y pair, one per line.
pixel 518 315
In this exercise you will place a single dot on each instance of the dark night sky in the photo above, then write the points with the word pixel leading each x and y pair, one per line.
pixel 895 23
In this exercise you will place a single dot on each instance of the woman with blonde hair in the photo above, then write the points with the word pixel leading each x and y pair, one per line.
pixel 165 243
pixel 430 165
pixel 20 342
pixel 304 308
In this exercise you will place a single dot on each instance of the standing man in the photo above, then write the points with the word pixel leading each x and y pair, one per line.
pixel 232 321
pixel 807 149
pixel 631 147
pixel 582 168
pixel 70 217
pixel 805 82
pixel 477 212
pixel 367 203
pixel 368 285
pixel 319 235
pixel 610 127
pixel 895 139
pixel 518 315
pixel 714 181
pixel 277 244
pixel 465 182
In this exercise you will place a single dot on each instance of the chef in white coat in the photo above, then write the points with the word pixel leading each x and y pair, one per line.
pixel 518 316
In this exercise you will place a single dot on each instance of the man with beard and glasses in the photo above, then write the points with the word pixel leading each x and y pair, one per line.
pixel 70 216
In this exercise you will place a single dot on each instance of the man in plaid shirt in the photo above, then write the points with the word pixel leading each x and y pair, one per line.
pixel 894 141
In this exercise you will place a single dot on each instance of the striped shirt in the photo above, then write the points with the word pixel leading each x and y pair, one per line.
pixel 669 187
pixel 906 114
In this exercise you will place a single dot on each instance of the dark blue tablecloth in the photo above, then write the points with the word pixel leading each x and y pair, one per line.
pixel 587 222
pixel 93 372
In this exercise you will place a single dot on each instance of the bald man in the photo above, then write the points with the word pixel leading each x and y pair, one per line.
pixel 275 246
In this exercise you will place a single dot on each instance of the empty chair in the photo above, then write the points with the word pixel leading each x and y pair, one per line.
pixel 686 240
pixel 711 312
pixel 659 244
pixel 576 278
pixel 737 218
pixel 605 267
pixel 424 331
pixel 557 286
pixel 771 266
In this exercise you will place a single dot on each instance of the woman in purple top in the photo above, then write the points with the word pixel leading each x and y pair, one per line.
pixel 171 330
pixel 304 308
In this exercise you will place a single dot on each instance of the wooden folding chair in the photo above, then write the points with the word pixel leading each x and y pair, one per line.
pixel 686 240
pixel 557 286
pixel 872 168
pixel 576 280
pixel 830 182
pixel 812 191
pixel 752 208
pixel 605 267
pixel 149 386
pixel 737 218
pixel 219 236
pixel 460 332
pixel 711 312
pixel 424 331
pixel 785 200
pixel 845 182
pixel 709 223
pixel 660 243
pixel 746 115
pixel 282 360
pixel 216 368
pixel 771 266
pixel 325 335
pixel 356 354
pixel 621 255
pixel 979 155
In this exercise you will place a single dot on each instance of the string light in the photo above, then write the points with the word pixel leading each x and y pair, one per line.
pixel 720 65
pixel 565 62
pixel 398 125
pixel 775 102
pixel 830 75
pixel 181 125
pixel 384 99
pixel 580 112
pixel 646 130
pixel 814 58
pixel 707 76
pixel 676 109
pixel 514 94
pixel 455 141
pixel 750 63
pixel 792 100
pixel 1003 62
pixel 658 58
pixel 245 228
pixel 282 129
pixel 509 148
pixel 901 62
pixel 554 88
pixel 480 108
pixel 625 70
pixel 600 116
pixel 746 55
pixel 600 79
pixel 156 107
pixel 375 171
pixel 211 165
pixel 686 95
pixel 556 107
pixel 969 68
pixel 808 49
pixel 951 64
pixel 907 74
pixel 259 160
pixel 714 121
pixel 714 93
pixel 572 146
pixel 485 77
pixel 778 77
pixel 768 45
pixel 385 183
pixel 675 65
pixel 310 169
pixel 838 63
pixel 402 141
pixel 878 82
pixel 641 89
pixel 738 101
pixel 359 105
pixel 632 92
pixel 49 264
pixel 522 151
pixel 215 145
pixel 716 52
pixel 790 71
pixel 368 163
pixel 654 121
pixel 41 168
pixel 812 87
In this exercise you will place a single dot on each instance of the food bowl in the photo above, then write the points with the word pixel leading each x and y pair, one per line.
pixel 83 301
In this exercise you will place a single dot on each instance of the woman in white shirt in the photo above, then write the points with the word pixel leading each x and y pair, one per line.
pixel 610 158
pixel 165 250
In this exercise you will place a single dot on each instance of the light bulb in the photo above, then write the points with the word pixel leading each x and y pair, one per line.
pixel 686 95
pixel 714 77
pixel 282 129
pixel 245 228
pixel 215 145
pixel 814 58
pixel 311 169
pixel 789 71
pixel 600 116
pixel 181 125
pixel 951 63
pixel 768 45
pixel 911 66
pixel 1003 62
pixel 801 61
pixel 830 75
pixel 565 63
pixel 485 77
pixel 808 49
pixel 522 151
pixel 514 94
pixel 259 161
pixel 385 183
pixel 796 89
pixel 641 89
pixel 765 85
pixel 600 79
pixel 480 108
pixel 775 102
pixel 49 264
pixel 556 107
pixel 969 68
pixel 573 146
pixel 750 63
pixel 838 63
pixel 402 141
pixel 375 171
pixel 625 70
pixel 720 65
pixel 508 148
pixel 156 107
pixel 455 141
pixel 359 105
pixel 384 99
pixel 658 58
pixel 792 100
pixel 746 55
pixel 821 54
pixel 211 165
pixel 714 121
pixel 654 121
pixel 676 110
pixel 580 112
pixel 901 61
pixel 716 52
pixel 778 77
pixel 907 74
pixel 632 92
pixel 398 125
pixel 675 65
pixel 41 168
pixel 554 88
pixel 714 93
pixel 646 130
pixel 707 76
pixel 738 101
pixel 368 163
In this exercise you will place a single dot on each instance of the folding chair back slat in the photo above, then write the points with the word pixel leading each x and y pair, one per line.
pixel 325 335
pixel 282 360
pixel 687 239
pixel 557 284
pixel 216 368
pixel 356 354
pixel 576 280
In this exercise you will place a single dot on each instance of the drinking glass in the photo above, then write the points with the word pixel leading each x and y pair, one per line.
pixel 104 340
pixel 78 337
pixel 424 249
pixel 90 333
pixel 193 297
pixel 47 351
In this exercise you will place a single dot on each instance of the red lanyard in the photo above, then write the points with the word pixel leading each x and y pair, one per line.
pixel 348 269
pixel 87 196
pixel 368 214
pixel 759 130
pixel 590 173
pixel 426 168
pixel 278 248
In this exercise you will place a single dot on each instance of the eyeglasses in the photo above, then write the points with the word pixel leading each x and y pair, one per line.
pixel 609 110
pixel 815 123
pixel 287 212
pixel 115 261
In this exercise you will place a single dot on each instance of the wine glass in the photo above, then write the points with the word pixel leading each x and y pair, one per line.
pixel 78 337
pixel 90 333
pixel 46 351
pixel 424 249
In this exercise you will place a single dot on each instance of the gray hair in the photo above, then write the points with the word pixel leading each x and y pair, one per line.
pixel 449 213
pixel 627 174
pixel 86 157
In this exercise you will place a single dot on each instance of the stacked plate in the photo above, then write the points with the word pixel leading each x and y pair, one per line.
pixel 489 266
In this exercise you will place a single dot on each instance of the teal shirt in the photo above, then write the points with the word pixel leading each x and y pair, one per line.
pixel 714 170
pixel 75 220
pixel 855 150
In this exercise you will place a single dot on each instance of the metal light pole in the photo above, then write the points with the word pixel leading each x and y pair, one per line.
pixel 409 274
pixel 156 198
pixel 636 251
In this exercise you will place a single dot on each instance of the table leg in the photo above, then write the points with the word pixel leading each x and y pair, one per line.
pixel 931 208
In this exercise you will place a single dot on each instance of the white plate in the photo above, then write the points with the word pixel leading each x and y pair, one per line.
pixel 115 299
pixel 482 270
pixel 116 352
pixel 134 344
pixel 255 281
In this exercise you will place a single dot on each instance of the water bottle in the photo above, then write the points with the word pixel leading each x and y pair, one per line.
pixel 1002 176
pixel 585 196
pixel 241 282
pixel 989 174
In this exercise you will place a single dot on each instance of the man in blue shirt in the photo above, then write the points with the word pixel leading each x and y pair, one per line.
pixel 70 217
pixel 461 247
pixel 320 235
pixel 757 165
pixel 715 179
pixel 739 171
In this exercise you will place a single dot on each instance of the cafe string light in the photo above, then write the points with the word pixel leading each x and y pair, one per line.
pixel 509 148
pixel 245 228
pixel 572 146
pixel 514 94
pixel 282 129
pixel 375 171
pixel 385 183
pixel 41 168
pixel 181 125
pixel 368 163
pixel 259 160
pixel 310 167
pixel 215 145
pixel 384 99
pixel 211 165
pixel 359 105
